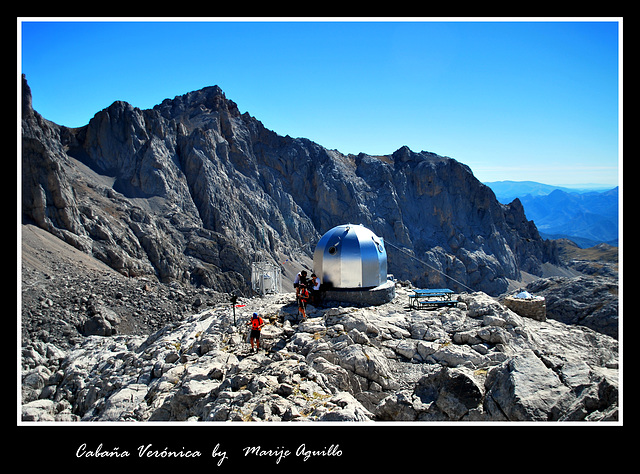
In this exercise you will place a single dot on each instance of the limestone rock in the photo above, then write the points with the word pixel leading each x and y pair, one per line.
pixel 588 301
pixel 525 389
pixel 345 364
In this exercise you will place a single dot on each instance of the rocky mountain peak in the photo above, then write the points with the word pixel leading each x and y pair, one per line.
pixel 192 190
pixel 402 154
pixel 198 108
pixel 27 101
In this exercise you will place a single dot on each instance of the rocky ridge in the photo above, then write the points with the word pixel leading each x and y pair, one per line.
pixel 476 362
pixel 67 295
pixel 590 301
pixel 192 190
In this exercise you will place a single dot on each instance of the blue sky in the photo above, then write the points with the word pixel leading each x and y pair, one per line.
pixel 514 100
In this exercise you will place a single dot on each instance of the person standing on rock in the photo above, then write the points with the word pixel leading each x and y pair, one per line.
pixel 256 326
pixel 302 294
pixel 301 278
pixel 314 289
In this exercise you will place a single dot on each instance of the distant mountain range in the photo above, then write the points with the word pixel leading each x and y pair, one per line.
pixel 584 216
pixel 507 191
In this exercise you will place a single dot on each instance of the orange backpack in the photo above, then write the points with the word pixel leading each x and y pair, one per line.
pixel 256 322
pixel 303 294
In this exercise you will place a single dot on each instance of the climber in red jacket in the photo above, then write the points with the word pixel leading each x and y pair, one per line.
pixel 256 326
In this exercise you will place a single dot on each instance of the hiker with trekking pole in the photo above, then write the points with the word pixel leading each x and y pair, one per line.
pixel 256 324
pixel 302 295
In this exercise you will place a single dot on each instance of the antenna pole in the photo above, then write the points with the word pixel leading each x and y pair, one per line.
pixel 234 300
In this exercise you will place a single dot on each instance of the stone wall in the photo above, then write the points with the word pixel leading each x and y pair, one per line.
pixel 534 308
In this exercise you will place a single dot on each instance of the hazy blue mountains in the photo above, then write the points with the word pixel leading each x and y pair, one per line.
pixel 586 217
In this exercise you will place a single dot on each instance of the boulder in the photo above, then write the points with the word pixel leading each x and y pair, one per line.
pixel 588 301
pixel 454 391
pixel 523 388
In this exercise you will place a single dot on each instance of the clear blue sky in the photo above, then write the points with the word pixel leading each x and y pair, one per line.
pixel 513 100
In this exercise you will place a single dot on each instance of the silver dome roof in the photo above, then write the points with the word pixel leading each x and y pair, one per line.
pixel 350 256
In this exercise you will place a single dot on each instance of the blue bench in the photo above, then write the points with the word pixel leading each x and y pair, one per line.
pixel 429 298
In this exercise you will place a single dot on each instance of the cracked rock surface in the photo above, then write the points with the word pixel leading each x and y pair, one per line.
pixel 478 361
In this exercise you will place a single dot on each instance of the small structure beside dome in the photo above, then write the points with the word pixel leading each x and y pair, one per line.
pixel 527 305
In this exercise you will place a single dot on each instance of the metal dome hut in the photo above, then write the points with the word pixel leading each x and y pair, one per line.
pixel 351 262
